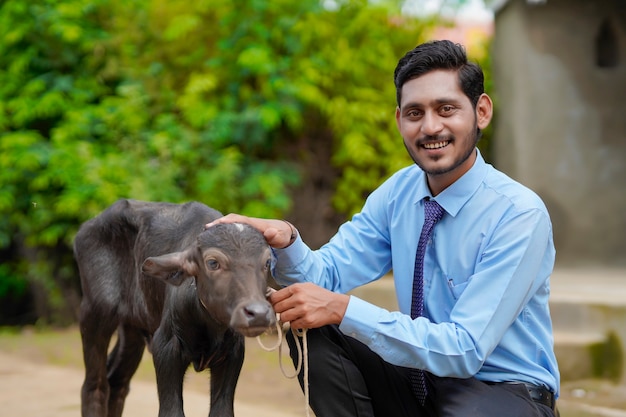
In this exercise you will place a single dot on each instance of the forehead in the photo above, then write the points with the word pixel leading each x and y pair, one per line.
pixel 432 87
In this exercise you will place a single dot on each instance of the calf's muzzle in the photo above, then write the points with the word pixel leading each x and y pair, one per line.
pixel 252 318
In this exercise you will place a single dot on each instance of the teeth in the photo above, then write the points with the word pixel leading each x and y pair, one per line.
pixel 436 145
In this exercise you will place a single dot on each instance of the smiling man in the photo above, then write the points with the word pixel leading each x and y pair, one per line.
pixel 471 252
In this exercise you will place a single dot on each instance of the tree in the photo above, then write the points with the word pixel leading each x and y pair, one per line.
pixel 258 107
pixel 47 70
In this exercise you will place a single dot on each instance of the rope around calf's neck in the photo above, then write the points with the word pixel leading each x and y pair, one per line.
pixel 303 358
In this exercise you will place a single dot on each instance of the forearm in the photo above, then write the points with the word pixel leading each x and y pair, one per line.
pixel 442 349
pixel 349 260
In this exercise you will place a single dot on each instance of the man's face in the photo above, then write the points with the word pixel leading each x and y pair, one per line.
pixel 439 126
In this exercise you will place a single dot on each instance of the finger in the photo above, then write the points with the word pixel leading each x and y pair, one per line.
pixel 269 291
pixel 272 235
pixel 287 316
pixel 280 295
pixel 229 218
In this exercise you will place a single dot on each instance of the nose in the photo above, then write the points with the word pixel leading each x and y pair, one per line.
pixel 251 314
pixel 258 314
pixel 251 318
pixel 431 124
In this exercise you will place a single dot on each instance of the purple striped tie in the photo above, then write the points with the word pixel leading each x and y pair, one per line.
pixel 432 214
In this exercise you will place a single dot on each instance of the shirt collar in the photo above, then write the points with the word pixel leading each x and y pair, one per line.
pixel 453 198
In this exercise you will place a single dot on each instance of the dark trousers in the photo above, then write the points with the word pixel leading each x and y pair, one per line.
pixel 347 379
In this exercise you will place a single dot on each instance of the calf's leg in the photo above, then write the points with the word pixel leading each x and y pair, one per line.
pixel 96 333
pixel 170 368
pixel 224 378
pixel 121 366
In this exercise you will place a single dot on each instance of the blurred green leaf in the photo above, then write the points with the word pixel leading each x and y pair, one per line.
pixel 169 100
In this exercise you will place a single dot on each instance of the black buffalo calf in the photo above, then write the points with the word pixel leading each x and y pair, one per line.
pixel 152 273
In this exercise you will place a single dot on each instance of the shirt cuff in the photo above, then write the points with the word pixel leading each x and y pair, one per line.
pixel 360 319
pixel 289 258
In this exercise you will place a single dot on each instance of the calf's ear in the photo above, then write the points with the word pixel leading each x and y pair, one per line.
pixel 173 268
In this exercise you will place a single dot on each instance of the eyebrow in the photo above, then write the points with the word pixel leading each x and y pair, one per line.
pixel 439 101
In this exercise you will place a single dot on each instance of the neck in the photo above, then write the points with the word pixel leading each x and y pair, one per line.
pixel 439 182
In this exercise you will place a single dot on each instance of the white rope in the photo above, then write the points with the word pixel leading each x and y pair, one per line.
pixel 303 358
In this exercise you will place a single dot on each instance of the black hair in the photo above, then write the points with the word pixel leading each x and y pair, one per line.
pixel 445 55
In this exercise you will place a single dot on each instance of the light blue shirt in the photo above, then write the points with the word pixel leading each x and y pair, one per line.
pixel 486 277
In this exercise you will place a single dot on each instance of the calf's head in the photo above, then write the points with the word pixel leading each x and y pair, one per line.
pixel 231 265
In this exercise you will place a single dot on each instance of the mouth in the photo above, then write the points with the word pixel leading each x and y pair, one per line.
pixel 252 331
pixel 435 145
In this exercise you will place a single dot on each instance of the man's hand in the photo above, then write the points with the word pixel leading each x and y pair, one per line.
pixel 277 233
pixel 308 306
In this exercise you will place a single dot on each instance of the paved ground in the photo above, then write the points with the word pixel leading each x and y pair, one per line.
pixel 588 284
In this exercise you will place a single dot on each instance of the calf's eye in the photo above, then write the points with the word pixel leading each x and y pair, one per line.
pixel 212 264
pixel 268 264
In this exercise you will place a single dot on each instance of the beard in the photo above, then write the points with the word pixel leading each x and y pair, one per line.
pixel 471 140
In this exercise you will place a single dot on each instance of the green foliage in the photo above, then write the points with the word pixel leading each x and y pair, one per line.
pixel 10 285
pixel 171 100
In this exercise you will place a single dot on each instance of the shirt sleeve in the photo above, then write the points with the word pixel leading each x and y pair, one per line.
pixel 505 278
pixel 359 253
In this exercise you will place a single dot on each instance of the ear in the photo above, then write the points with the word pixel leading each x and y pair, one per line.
pixel 398 117
pixel 484 111
pixel 172 268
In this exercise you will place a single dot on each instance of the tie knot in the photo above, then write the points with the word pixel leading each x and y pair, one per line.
pixel 432 211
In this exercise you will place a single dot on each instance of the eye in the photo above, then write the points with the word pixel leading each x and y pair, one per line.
pixel 447 109
pixel 413 114
pixel 212 264
pixel 270 263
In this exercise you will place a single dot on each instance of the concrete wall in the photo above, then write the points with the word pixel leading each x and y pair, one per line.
pixel 560 123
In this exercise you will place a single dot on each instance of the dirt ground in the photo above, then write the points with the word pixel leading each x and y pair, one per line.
pixel 44 381
pixel 41 375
